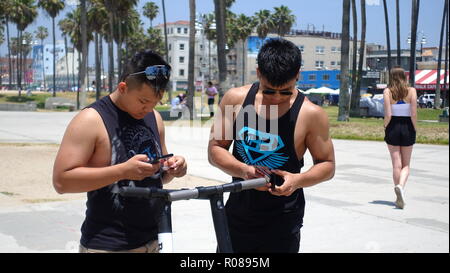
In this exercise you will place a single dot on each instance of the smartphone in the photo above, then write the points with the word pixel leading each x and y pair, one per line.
pixel 156 160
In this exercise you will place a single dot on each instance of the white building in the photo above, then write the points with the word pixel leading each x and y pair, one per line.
pixel 178 45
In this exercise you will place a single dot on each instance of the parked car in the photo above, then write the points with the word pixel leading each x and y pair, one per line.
pixel 427 100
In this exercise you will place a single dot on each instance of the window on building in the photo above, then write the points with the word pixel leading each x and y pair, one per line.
pixel 181 72
pixel 185 30
pixel 325 77
pixel 179 30
pixel 311 77
pixel 181 59
pixel 333 63
pixel 181 46
pixel 170 47
pixel 320 49
pixel 319 64
pixel 338 77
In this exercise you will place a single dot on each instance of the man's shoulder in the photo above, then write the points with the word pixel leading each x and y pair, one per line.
pixel 87 116
pixel 311 111
pixel 236 95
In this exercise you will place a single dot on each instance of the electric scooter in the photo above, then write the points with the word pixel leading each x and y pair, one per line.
pixel 215 196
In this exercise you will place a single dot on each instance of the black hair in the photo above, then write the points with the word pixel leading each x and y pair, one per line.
pixel 140 62
pixel 279 61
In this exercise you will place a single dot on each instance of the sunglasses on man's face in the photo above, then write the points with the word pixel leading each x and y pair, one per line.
pixel 151 72
pixel 281 92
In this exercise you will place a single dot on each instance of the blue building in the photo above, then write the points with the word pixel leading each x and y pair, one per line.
pixel 319 78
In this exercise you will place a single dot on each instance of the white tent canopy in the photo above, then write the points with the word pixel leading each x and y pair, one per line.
pixel 321 90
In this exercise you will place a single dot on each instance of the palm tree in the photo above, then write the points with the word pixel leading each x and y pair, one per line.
pixel 191 65
pixel 97 17
pixel 344 101
pixel 220 14
pixel 123 10
pixel 414 22
pixel 397 9
pixel 23 13
pixel 5 10
pixel 283 20
pixel 437 98
pixel 264 23
pixel 2 40
pixel 52 7
pixel 166 43
pixel 388 39
pixel 243 28
pixel 42 33
pixel 211 35
pixel 110 7
pixel 354 100
pixel 151 10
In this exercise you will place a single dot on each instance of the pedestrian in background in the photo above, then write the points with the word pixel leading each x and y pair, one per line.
pixel 211 91
pixel 400 123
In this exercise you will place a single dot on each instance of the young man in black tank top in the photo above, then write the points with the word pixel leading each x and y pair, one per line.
pixel 114 143
pixel 271 125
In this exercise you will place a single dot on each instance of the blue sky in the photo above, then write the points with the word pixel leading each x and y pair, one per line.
pixel 323 14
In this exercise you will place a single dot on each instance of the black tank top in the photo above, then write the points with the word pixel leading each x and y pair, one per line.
pixel 253 211
pixel 113 222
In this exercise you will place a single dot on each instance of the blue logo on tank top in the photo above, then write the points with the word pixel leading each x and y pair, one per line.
pixel 260 148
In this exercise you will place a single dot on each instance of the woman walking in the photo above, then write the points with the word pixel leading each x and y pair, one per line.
pixel 400 123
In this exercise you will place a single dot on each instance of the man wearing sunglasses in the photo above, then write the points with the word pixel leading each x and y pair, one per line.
pixel 272 126
pixel 115 142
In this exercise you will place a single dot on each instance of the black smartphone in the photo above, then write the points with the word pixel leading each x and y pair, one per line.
pixel 156 160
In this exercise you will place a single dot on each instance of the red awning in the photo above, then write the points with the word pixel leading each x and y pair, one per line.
pixel 427 79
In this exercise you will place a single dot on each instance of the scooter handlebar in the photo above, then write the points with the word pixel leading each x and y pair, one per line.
pixel 253 183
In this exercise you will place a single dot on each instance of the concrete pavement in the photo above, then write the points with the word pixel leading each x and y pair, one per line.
pixel 354 212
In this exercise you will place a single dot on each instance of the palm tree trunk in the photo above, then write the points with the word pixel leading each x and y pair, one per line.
pixel 84 50
pixel 445 98
pixel 399 52
pixel 414 22
pixel 437 98
pixel 111 54
pixel 9 55
pixel 219 9
pixel 388 38
pixel 243 62
pixel 166 44
pixel 362 50
pixel 67 62
pixel 97 68
pixel 344 101
pixel 43 66
pixel 19 46
pixel 354 99
pixel 191 65
pixel 54 57
pixel 119 46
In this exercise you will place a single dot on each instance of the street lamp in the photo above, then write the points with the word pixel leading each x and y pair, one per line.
pixel 422 42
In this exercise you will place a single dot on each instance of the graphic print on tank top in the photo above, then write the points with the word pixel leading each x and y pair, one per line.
pixel 260 148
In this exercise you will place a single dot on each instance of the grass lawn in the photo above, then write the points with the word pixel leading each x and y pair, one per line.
pixel 372 128
pixel 356 129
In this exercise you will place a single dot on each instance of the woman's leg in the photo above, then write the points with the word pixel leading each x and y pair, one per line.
pixel 396 159
pixel 405 153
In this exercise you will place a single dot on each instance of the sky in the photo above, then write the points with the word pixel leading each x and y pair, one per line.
pixel 323 14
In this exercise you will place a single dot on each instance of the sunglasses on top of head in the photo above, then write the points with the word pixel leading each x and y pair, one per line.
pixel 281 92
pixel 151 72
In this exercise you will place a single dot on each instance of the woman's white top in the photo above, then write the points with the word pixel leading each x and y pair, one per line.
pixel 401 109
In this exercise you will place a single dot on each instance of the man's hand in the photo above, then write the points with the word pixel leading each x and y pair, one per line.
pixel 176 166
pixel 289 186
pixel 251 172
pixel 138 168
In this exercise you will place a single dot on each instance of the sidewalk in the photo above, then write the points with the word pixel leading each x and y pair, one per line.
pixel 354 212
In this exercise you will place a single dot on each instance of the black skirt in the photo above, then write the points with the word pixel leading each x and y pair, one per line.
pixel 400 132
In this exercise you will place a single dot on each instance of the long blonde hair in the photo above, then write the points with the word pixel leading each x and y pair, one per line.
pixel 398 85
